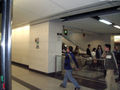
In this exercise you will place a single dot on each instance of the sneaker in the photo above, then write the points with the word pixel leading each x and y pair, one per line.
pixel 61 85
pixel 77 88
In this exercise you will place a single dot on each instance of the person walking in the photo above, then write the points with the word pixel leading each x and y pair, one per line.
pixel 110 66
pixel 69 57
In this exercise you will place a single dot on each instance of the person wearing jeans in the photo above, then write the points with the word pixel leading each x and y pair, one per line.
pixel 110 67
pixel 69 57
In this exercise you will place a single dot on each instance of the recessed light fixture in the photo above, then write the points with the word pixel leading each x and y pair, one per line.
pixel 105 22
pixel 116 26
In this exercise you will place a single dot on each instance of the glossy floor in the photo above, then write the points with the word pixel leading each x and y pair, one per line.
pixel 24 79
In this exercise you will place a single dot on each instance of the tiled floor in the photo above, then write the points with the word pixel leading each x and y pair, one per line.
pixel 38 80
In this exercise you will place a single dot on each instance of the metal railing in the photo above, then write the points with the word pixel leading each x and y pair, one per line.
pixel 73 42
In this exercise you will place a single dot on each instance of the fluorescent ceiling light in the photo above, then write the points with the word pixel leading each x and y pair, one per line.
pixel 105 21
pixel 116 26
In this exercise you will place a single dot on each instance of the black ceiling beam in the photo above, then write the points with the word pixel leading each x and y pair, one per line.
pixel 92 13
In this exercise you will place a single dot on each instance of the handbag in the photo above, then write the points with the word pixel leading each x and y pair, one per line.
pixel 71 62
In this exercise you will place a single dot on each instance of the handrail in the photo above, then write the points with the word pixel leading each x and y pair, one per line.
pixel 73 42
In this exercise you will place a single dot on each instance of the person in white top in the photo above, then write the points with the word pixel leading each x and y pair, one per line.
pixel 93 54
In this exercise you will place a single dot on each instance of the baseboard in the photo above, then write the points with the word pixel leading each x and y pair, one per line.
pixel 33 70
pixel 20 65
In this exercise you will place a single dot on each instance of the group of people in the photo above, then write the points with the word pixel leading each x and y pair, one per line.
pixel 96 53
pixel 111 63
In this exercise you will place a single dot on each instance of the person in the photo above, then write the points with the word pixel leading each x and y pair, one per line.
pixel 99 52
pixel 69 57
pixel 76 51
pixel 88 52
pixel 110 66
pixel 117 55
pixel 63 48
pixel 93 53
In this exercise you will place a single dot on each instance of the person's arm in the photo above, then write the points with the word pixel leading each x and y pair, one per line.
pixel 114 58
pixel 74 59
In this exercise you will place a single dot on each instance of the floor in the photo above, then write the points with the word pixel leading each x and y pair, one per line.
pixel 24 79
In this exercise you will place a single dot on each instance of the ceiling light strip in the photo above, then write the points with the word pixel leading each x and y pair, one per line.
pixel 105 21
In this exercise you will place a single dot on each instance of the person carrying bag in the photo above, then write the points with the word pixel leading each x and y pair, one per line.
pixel 68 66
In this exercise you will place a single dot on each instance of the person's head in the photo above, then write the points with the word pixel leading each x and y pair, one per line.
pixel 89 45
pixel 107 47
pixel 77 47
pixel 70 49
pixel 94 49
pixel 116 48
pixel 99 47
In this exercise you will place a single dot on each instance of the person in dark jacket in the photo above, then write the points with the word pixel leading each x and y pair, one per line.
pixel 110 66
pixel 99 52
pixel 69 57
pixel 117 55
pixel 88 52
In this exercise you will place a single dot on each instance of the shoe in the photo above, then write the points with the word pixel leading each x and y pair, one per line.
pixel 61 85
pixel 77 88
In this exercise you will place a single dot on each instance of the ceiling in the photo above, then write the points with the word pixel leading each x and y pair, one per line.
pixel 93 25
pixel 26 11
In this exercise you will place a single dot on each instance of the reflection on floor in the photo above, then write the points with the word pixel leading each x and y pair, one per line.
pixel 90 73
pixel 37 80
pixel 25 84
pixel 17 86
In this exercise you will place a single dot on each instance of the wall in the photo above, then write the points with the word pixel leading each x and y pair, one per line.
pixel 20 44
pixel 112 42
pixel 39 57
pixel 93 39
pixel 37 45
pixel 55 43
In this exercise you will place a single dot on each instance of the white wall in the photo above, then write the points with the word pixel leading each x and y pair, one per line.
pixel 93 39
pixel 20 45
pixel 24 49
pixel 55 43
pixel 112 42
pixel 43 59
pixel 39 57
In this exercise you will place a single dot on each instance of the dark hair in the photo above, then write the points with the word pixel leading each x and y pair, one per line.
pixel 70 48
pixel 108 46
pixel 94 49
pixel 100 46
pixel 77 47
pixel 89 45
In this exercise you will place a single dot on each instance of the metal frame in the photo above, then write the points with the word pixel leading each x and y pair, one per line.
pixel 6 43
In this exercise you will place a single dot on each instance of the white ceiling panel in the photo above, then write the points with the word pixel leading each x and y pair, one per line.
pixel 72 4
pixel 28 10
